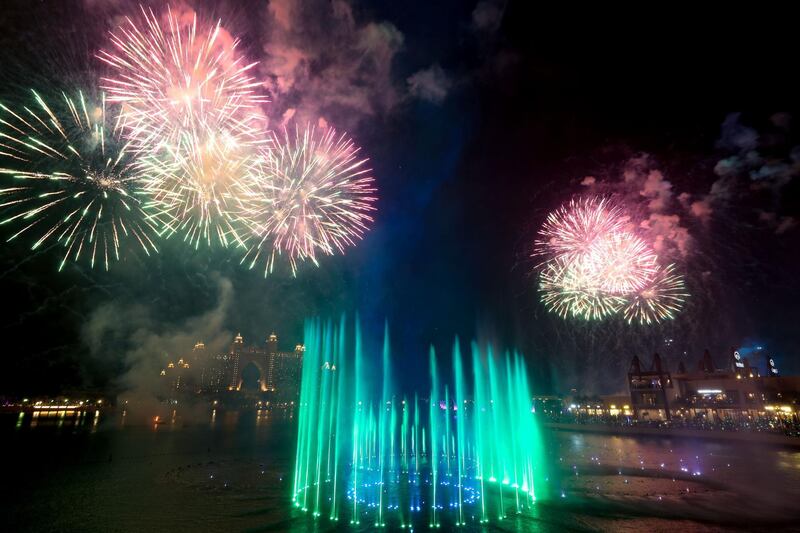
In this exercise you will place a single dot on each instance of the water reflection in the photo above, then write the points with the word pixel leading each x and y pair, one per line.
pixel 227 470
pixel 171 419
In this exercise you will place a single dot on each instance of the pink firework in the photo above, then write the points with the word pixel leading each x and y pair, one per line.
pixel 572 230
pixel 193 111
pixel 594 266
pixel 176 75
pixel 308 194
pixel 620 262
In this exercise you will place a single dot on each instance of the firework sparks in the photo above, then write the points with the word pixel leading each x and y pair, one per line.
pixel 180 76
pixel 573 230
pixel 661 300
pixel 309 194
pixel 74 179
pixel 594 267
pixel 620 262
pixel 192 186
pixel 193 107
pixel 568 291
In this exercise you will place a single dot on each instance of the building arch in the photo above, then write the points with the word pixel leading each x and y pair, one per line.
pixel 259 361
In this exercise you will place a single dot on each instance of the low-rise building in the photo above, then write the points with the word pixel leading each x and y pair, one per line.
pixel 735 391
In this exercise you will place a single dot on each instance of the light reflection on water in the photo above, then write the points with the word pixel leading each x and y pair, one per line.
pixel 59 418
pixel 226 470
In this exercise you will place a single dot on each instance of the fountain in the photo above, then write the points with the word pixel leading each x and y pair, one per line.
pixel 369 454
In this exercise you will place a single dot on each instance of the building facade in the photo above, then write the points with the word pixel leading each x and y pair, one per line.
pixel 735 391
pixel 288 373
pixel 202 371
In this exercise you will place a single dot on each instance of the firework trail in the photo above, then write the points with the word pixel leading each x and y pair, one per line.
pixel 308 194
pixel 191 104
pixel 595 268
pixel 74 179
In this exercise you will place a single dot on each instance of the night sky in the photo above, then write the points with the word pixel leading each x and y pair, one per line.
pixel 479 119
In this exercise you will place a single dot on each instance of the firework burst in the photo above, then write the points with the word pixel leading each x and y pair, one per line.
pixel 180 76
pixel 193 186
pixel 193 107
pixel 594 267
pixel 74 179
pixel 661 300
pixel 574 229
pixel 309 194
pixel 620 262
pixel 568 291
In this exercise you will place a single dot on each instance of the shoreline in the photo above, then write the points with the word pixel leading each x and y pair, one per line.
pixel 726 436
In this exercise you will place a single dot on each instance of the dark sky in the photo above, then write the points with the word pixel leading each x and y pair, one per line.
pixel 530 103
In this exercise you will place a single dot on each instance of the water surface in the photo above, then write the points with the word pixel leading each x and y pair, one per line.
pixel 231 471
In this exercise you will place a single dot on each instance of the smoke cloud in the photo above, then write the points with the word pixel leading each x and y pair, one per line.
pixel 136 334
pixel 736 136
pixel 753 162
pixel 649 195
pixel 487 16
pixel 321 61
pixel 431 84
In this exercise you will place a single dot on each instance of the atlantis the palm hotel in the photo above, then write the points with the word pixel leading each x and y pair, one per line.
pixel 741 389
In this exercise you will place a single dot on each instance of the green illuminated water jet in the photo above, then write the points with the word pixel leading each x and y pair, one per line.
pixel 365 452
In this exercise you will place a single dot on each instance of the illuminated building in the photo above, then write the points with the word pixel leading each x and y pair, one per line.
pixel 272 355
pixel 278 372
pixel 216 368
pixel 201 363
pixel 548 405
pixel 198 352
pixel 604 407
pixel 735 391
pixel 288 370
pixel 177 376
pixel 649 389
pixel 237 348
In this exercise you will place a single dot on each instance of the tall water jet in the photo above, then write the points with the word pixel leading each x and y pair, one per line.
pixel 364 454
pixel 358 417
pixel 386 400
pixel 479 421
pixel 460 409
pixel 435 428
